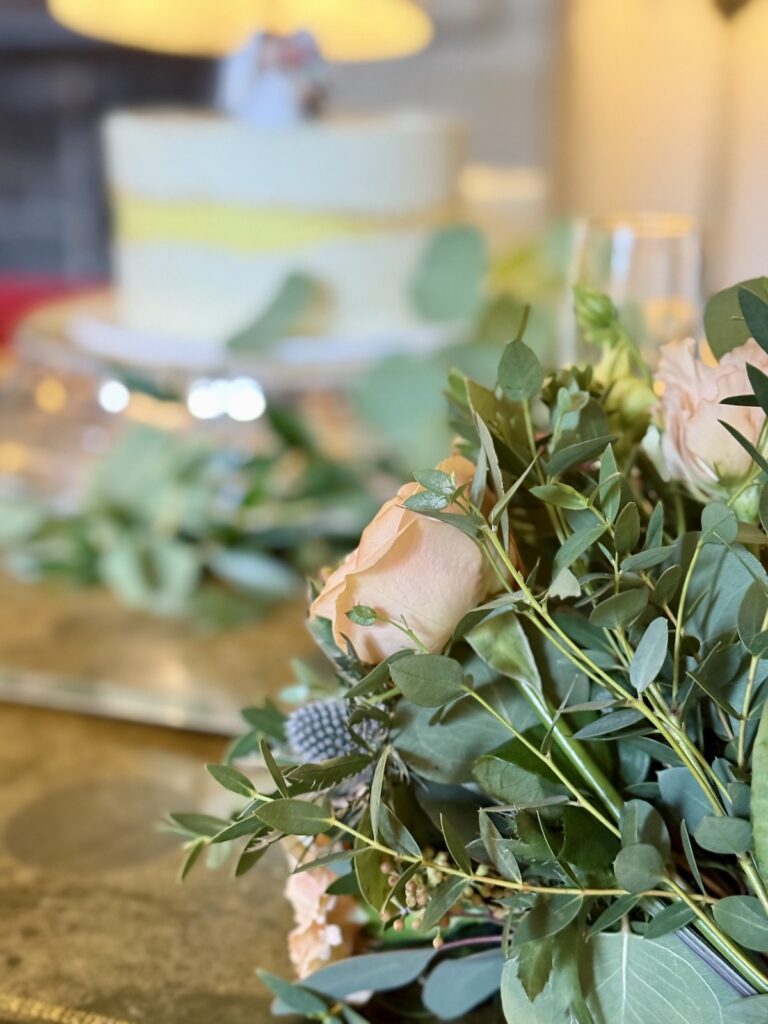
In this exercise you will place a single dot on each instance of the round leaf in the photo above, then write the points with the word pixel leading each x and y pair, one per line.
pixel 429 680
pixel 638 867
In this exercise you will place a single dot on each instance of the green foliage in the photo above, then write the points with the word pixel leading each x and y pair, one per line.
pixel 448 282
pixel 576 778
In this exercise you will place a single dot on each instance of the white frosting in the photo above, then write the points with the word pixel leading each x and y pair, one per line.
pixel 402 168
pixel 398 164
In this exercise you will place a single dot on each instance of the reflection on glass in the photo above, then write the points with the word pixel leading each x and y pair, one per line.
pixel 650 265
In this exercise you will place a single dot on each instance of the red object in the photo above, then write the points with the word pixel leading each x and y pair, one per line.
pixel 20 294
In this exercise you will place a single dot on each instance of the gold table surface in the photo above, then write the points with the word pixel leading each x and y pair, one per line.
pixel 93 920
pixel 95 927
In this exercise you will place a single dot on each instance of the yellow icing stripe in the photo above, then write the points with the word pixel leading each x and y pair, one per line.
pixel 241 227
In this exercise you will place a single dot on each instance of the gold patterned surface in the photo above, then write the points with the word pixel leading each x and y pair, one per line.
pixel 95 928
pixel 80 649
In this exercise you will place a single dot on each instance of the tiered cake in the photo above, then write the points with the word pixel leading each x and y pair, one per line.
pixel 212 215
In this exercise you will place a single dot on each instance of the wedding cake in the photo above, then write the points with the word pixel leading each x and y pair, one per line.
pixel 212 215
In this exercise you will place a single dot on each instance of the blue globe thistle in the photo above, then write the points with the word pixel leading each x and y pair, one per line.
pixel 320 731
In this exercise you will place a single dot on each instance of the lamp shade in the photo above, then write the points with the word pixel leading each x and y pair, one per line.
pixel 345 30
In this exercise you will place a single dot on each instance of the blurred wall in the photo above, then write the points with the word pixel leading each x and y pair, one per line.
pixel 490 64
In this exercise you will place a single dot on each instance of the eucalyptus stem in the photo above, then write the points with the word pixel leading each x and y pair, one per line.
pixel 549 762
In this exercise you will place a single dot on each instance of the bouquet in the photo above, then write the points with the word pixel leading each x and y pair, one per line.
pixel 538 784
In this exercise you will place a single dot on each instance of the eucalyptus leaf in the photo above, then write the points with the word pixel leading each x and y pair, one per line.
pixel 520 375
pixel 669 920
pixel 455 844
pixel 296 817
pixel 743 918
pixel 719 523
pixel 620 610
pixel 754 309
pixel 448 281
pixel 381 972
pixel 456 986
pixel 638 867
pixel 429 680
pixel 443 899
pixel 232 779
pixel 549 915
pixel 719 834
pixel 759 811
pixel 649 655
pixel 576 454
pixel 640 981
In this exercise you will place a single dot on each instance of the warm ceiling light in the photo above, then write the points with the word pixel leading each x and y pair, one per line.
pixel 345 30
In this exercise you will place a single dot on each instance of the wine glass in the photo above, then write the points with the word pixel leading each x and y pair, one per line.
pixel 651 266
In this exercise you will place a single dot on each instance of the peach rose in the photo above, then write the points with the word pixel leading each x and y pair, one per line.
pixel 408 568
pixel 695 446
pixel 326 926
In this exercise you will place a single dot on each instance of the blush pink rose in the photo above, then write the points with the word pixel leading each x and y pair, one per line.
pixel 408 568
pixel 691 384
pixel 326 926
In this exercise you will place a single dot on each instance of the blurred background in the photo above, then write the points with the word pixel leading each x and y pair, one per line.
pixel 242 246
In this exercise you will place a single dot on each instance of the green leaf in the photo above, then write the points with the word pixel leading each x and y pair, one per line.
pixel 449 279
pixel 445 896
pixel 753 616
pixel 426 501
pixel 638 867
pixel 560 495
pixel 249 825
pixel 588 844
pixel 550 1007
pixel 649 655
pixel 550 914
pixel 648 559
pixel 457 986
pixel 455 844
pixel 324 774
pixel 448 750
pixel 606 725
pixel 429 680
pixel 743 918
pixel 759 383
pixel 640 822
pixel 395 835
pixel 753 1010
pixel 759 810
pixel 520 375
pixel 671 919
pixel 565 585
pixel 381 972
pixel 724 322
pixel 268 720
pixel 192 857
pixel 610 485
pixel 362 615
pixel 499 849
pixel 282 317
pixel 627 529
pixel 724 835
pixel 273 768
pixel 436 481
pixel 621 610
pixel 683 796
pixel 576 545
pixel 754 309
pixel 377 784
pixel 534 966
pixel 747 445
pixel 501 642
pixel 296 817
pixel 231 779
pixel 576 455
pixel 295 997
pixel 690 856
pixel 199 824
pixel 637 981
pixel 613 913
pixel 719 523
pixel 514 785
pixel 249 859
